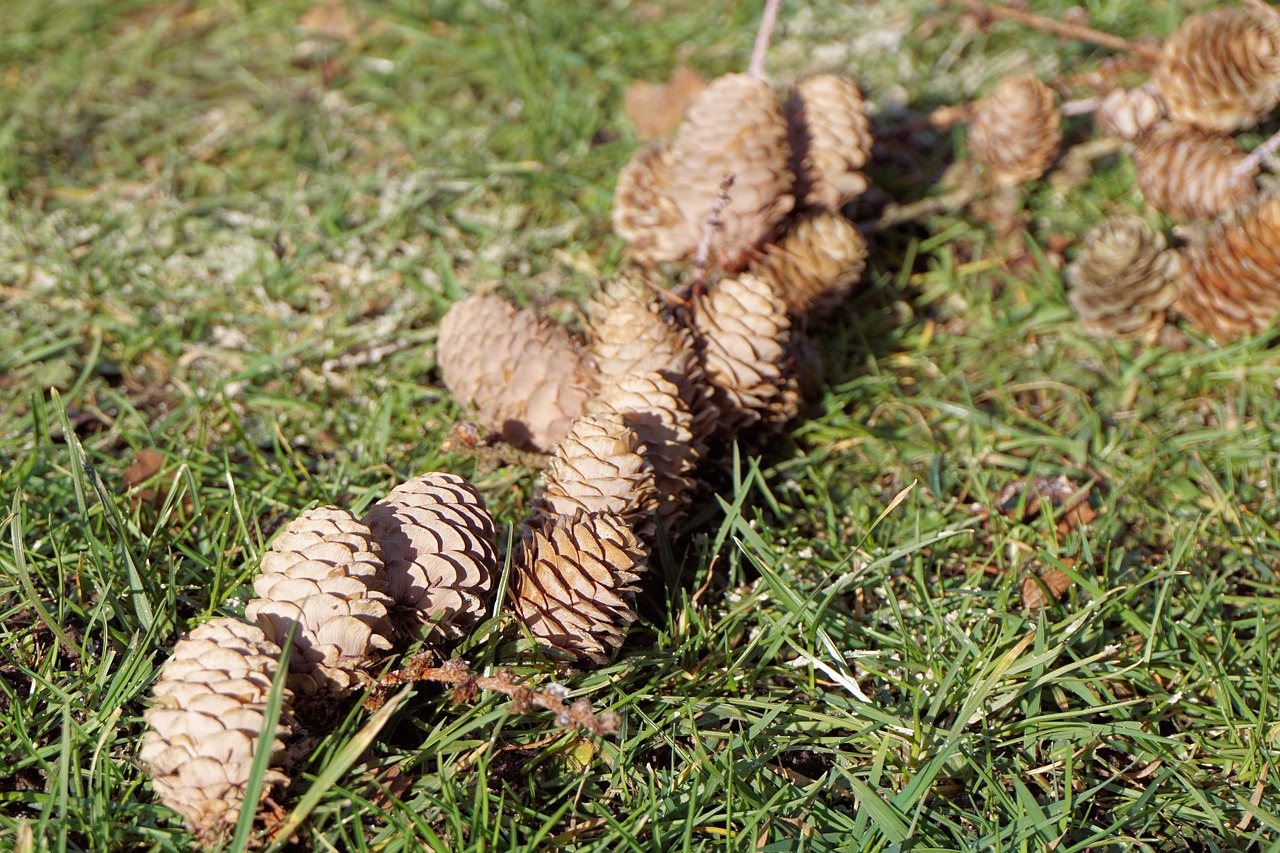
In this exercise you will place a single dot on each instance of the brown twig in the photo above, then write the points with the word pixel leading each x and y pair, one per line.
pixel 763 35
pixel 466 685
pixel 712 225
pixel 1253 160
pixel 1062 29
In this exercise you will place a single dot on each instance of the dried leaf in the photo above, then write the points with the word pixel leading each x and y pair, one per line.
pixel 1054 582
pixel 655 109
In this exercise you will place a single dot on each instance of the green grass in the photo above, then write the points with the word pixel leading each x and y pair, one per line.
pixel 213 250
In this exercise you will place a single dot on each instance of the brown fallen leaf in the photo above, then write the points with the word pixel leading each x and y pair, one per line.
pixel 656 109
pixel 146 464
pixel 1068 500
pixel 1050 586
pixel 332 19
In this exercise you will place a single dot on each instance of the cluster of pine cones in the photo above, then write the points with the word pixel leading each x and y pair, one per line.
pixel 1217 74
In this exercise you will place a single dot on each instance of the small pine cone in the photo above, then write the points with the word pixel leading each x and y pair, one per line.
pixel 734 127
pixel 830 141
pixel 652 407
pixel 1221 70
pixel 815 265
pixel 1015 130
pixel 1231 276
pixel 437 540
pixel 1127 113
pixel 644 213
pixel 742 331
pixel 209 709
pixel 599 467
pixel 1190 173
pixel 574 583
pixel 1124 279
pixel 324 574
pixel 525 375
pixel 630 335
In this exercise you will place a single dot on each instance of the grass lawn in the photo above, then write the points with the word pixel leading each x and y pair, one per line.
pixel 225 244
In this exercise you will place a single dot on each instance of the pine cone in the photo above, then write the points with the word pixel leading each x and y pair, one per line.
pixel 526 376
pixel 574 583
pixel 645 214
pixel 437 540
pixel 816 264
pixel 1127 113
pixel 324 574
pixel 1123 280
pixel 1015 130
pixel 742 331
pixel 1221 70
pixel 209 710
pixel 654 410
pixel 830 141
pixel 1190 173
pixel 599 467
pixel 734 127
pixel 1231 277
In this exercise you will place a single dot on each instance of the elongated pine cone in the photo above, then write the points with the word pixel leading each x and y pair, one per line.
pixel 830 141
pixel 1015 130
pixel 1231 276
pixel 654 410
pixel 742 329
pixel 1221 70
pixel 733 128
pixel 437 541
pixel 324 574
pixel 209 710
pixel 1127 113
pixel 599 467
pixel 575 579
pixel 645 214
pixel 1124 279
pixel 525 375
pixel 816 264
pixel 1190 173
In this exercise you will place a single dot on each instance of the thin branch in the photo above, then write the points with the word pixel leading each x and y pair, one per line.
pixel 763 35
pixel 712 225
pixel 1080 106
pixel 1061 29
pixel 1253 161
pixel 466 686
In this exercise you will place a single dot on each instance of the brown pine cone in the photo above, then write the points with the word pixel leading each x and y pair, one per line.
pixel 599 467
pixel 1190 173
pixel 324 574
pixel 1124 279
pixel 1127 113
pixel 525 376
pixel 1015 130
pixel 437 540
pixel 1221 70
pixel 645 214
pixel 742 329
pixel 1231 276
pixel 830 141
pixel 574 583
pixel 815 265
pixel 209 709
pixel 733 128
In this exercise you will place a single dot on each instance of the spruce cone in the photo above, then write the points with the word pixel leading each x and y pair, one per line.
pixel 599 467
pixel 1123 280
pixel 437 541
pixel 1231 277
pixel 324 574
pixel 574 582
pixel 209 709
pixel 1015 130
pixel 816 265
pixel 1190 173
pixel 1221 70
pixel 653 408
pixel 742 332
pixel 734 127
pixel 830 141
pixel 1127 113
pixel 526 376
pixel 644 213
